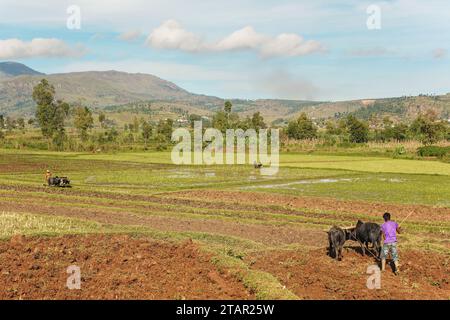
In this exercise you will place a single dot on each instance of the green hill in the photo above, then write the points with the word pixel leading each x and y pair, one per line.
pixel 121 92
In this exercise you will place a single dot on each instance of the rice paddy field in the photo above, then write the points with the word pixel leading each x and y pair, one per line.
pixel 140 227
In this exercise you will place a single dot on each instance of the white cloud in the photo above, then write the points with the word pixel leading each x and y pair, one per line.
pixel 38 47
pixel 246 38
pixel 129 35
pixel 171 35
pixel 290 45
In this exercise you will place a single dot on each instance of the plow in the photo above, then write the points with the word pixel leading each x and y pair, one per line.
pixel 60 182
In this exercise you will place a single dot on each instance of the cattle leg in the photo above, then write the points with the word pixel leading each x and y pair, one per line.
pixel 363 249
pixel 378 249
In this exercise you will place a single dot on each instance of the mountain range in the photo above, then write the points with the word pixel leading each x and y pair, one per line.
pixel 115 91
pixel 12 69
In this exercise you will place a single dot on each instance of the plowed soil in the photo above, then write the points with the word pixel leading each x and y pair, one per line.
pixel 428 213
pixel 121 267
pixel 314 275
pixel 112 267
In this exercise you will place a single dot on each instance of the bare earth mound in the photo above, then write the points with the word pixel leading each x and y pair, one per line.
pixel 112 267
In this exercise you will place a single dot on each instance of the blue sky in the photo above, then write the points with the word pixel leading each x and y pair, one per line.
pixel 320 50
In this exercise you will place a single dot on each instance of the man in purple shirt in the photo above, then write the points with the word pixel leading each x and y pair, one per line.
pixel 390 229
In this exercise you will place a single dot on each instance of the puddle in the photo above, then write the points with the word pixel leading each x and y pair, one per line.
pixel 393 180
pixel 176 173
pixel 290 184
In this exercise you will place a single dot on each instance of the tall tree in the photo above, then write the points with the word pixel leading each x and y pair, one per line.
pixel 83 121
pixel 165 128
pixel 428 129
pixel 147 130
pixel 192 118
pixel 135 124
pixel 102 119
pixel 301 128
pixel 228 106
pixel 220 121
pixel 258 121
pixel 50 114
pixel 358 130
pixel 21 123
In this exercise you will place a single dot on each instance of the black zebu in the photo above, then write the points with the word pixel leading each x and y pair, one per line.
pixel 336 239
pixel 366 233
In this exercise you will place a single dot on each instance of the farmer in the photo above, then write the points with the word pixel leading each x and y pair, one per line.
pixel 48 175
pixel 389 229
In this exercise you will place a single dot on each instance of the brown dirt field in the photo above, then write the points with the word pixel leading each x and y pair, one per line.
pixel 112 267
pixel 314 275
pixel 34 268
pixel 327 204
pixel 269 235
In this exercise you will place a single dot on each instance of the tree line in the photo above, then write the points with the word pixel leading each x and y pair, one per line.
pixel 52 117
pixel 426 128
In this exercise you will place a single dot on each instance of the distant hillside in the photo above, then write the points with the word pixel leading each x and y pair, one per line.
pixel 122 93
pixel 398 109
pixel 115 90
pixel 406 107
pixel 13 69
pixel 205 106
pixel 95 89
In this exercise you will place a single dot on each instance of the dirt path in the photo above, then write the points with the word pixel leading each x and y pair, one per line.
pixel 314 275
pixel 112 267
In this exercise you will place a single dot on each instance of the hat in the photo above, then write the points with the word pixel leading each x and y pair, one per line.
pixel 48 171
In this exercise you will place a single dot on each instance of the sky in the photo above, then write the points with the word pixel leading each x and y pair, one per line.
pixel 250 49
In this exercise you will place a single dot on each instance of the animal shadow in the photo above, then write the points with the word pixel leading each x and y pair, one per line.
pixel 358 250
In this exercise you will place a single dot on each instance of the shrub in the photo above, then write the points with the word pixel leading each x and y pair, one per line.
pixel 399 151
pixel 433 151
pixel 347 144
